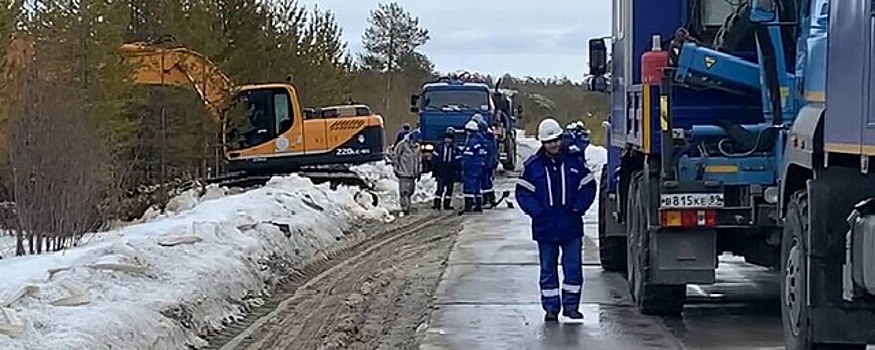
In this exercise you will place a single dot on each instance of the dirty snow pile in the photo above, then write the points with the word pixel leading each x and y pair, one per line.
pixel 159 283
pixel 385 183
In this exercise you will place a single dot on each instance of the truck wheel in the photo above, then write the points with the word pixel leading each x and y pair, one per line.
pixel 510 163
pixel 794 284
pixel 612 250
pixel 652 299
pixel 631 228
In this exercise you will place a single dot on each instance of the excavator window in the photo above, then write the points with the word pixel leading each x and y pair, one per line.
pixel 258 116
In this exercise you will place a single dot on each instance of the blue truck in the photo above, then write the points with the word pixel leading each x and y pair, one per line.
pixel 747 130
pixel 452 100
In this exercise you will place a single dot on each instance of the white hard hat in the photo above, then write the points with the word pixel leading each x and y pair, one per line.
pixel 472 126
pixel 549 130
pixel 570 126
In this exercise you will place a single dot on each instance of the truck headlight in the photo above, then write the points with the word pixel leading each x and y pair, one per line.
pixel 771 195
pixel 427 147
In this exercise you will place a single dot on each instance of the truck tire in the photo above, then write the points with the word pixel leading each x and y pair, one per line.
pixel 651 299
pixel 612 250
pixel 509 164
pixel 794 281
pixel 737 33
pixel 426 166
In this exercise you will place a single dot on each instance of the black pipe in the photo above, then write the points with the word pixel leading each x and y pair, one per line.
pixel 770 67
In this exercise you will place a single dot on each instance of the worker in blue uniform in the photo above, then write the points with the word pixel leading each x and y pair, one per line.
pixel 570 139
pixel 446 160
pixel 487 176
pixel 473 163
pixel 556 189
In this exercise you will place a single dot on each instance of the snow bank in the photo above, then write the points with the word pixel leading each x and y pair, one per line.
pixel 159 283
pixel 386 184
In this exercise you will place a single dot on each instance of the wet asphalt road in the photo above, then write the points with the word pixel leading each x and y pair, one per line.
pixel 488 299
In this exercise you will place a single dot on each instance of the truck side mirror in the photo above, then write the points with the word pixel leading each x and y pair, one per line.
pixel 414 103
pixel 598 57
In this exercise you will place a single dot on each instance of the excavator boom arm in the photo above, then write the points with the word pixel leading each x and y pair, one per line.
pixel 179 67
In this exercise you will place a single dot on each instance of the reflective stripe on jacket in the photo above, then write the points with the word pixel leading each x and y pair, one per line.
pixel 555 193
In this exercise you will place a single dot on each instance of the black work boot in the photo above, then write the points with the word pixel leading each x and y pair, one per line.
pixel 574 315
pixel 478 204
pixel 437 204
pixel 469 205
pixel 551 316
pixel 448 204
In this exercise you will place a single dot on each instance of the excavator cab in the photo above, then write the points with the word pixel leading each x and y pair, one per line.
pixel 257 116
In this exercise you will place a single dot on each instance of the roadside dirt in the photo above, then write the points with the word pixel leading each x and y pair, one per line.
pixel 379 301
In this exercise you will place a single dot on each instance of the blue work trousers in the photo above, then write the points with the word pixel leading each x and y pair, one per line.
pixel 554 299
pixel 471 182
pixel 445 184
pixel 486 179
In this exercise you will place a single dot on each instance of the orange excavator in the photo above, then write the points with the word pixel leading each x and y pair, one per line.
pixel 265 127
pixel 266 130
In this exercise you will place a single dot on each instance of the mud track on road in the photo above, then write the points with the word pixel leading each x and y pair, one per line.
pixel 376 294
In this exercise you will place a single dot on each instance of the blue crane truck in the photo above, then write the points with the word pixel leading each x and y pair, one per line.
pixel 749 130
pixel 452 100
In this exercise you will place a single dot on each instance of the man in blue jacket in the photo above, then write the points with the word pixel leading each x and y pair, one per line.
pixel 473 163
pixel 487 177
pixel 445 162
pixel 556 189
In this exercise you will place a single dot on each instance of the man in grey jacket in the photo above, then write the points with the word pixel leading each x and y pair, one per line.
pixel 406 159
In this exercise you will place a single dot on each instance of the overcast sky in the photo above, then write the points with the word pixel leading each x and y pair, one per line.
pixel 541 38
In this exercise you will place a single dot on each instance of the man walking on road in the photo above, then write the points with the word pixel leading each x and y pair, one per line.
pixel 556 189
pixel 406 159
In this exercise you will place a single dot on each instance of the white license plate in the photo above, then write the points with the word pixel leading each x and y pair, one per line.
pixel 691 200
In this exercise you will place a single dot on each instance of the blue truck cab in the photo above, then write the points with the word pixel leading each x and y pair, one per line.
pixel 452 101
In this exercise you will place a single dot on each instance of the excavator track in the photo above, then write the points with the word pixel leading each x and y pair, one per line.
pixel 335 178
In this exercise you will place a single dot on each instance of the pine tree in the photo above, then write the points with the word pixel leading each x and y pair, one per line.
pixel 393 34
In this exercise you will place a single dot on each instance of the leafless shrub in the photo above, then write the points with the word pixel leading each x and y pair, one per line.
pixel 58 161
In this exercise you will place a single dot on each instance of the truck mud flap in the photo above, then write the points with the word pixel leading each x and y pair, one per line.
pixel 684 256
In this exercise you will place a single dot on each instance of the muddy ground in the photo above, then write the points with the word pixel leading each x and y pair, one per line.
pixel 378 301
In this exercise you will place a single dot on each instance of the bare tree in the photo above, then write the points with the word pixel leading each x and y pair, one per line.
pixel 58 159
